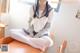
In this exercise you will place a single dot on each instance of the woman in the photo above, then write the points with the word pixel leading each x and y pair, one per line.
pixel 37 35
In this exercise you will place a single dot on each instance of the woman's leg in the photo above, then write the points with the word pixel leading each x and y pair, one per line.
pixel 40 43
pixel 19 34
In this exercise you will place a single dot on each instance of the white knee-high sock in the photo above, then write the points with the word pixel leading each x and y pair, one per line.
pixel 40 43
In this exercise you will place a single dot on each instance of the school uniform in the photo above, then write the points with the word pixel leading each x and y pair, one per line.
pixel 39 28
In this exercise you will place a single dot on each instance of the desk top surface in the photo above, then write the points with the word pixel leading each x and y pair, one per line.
pixel 17 47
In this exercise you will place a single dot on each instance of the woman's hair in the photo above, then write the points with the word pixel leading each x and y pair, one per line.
pixel 48 8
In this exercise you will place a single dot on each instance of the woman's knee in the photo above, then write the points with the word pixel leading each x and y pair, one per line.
pixel 14 31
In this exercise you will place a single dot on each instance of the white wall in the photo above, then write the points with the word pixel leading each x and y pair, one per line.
pixel 19 13
pixel 65 25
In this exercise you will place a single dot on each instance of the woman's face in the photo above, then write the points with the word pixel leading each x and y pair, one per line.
pixel 42 0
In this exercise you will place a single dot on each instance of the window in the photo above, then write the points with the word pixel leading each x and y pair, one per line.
pixel 3 6
pixel 56 4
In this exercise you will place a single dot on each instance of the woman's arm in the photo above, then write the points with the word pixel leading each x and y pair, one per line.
pixel 30 27
pixel 31 14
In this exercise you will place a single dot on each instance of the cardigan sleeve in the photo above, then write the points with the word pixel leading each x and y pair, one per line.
pixel 47 27
pixel 29 31
pixel 31 15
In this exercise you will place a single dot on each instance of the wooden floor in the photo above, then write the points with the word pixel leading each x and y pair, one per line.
pixel 18 47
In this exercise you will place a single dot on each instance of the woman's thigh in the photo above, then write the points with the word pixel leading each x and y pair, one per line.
pixel 17 32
